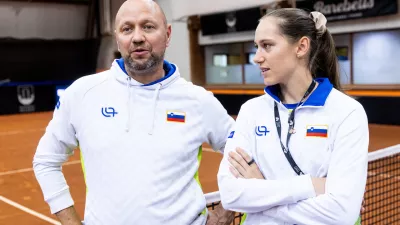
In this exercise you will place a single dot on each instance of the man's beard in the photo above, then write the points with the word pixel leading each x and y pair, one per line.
pixel 145 67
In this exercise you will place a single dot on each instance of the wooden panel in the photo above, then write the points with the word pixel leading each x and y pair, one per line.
pixel 197 58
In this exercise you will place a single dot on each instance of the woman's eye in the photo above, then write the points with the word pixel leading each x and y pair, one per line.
pixel 267 46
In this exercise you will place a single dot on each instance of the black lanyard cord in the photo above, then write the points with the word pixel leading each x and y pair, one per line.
pixel 286 151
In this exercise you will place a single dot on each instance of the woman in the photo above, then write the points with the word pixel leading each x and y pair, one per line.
pixel 299 153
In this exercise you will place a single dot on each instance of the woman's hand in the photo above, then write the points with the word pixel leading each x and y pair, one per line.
pixel 319 185
pixel 243 166
pixel 240 167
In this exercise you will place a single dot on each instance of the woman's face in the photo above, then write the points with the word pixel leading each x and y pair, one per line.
pixel 275 55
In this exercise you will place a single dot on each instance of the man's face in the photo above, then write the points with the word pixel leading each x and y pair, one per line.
pixel 142 35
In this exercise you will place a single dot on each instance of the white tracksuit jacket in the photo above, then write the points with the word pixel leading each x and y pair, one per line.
pixel 331 140
pixel 140 147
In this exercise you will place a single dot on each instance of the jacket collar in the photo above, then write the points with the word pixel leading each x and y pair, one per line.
pixel 171 75
pixel 317 98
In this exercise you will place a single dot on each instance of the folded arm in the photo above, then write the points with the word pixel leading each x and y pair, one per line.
pixel 345 183
pixel 256 195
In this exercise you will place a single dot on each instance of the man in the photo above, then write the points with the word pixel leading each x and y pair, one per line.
pixel 140 128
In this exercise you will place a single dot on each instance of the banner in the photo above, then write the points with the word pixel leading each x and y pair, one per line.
pixel 184 8
pixel 236 21
pixel 29 97
pixel 335 10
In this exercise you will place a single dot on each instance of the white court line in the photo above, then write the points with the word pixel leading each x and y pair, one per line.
pixel 31 169
pixel 30 211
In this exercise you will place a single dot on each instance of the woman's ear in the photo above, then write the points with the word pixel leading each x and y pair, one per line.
pixel 303 46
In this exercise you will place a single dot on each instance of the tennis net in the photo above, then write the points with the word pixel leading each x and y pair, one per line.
pixel 382 196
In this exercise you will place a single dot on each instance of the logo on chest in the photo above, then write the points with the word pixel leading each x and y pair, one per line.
pixel 176 116
pixel 261 130
pixel 108 112
pixel 317 131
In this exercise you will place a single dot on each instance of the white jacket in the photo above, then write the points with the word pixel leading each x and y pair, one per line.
pixel 284 197
pixel 140 146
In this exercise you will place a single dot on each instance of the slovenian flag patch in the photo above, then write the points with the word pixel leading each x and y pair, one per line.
pixel 317 131
pixel 176 116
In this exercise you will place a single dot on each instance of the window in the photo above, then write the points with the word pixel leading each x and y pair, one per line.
pixel 252 73
pixel 220 60
pixel 376 57
pixel 343 47
pixel 366 58
pixel 232 64
pixel 223 64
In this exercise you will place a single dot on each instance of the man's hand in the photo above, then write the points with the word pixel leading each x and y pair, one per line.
pixel 240 165
pixel 69 216
pixel 220 216
pixel 363 204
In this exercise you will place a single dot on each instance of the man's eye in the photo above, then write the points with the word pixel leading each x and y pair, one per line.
pixel 126 29
pixel 148 27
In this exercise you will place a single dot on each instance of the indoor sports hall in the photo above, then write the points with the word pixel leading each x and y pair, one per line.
pixel 46 45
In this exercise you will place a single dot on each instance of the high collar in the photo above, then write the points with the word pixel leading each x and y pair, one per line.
pixel 317 98
pixel 171 75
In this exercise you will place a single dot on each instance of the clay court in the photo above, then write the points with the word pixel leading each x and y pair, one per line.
pixel 21 200
pixel 47 45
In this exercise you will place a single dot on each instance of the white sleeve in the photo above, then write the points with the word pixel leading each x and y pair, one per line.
pixel 345 183
pixel 54 148
pixel 256 195
pixel 217 123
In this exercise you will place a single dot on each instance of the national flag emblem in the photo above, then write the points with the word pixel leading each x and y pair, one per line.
pixel 176 116
pixel 317 131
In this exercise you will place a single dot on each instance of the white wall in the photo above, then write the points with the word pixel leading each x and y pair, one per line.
pixel 42 20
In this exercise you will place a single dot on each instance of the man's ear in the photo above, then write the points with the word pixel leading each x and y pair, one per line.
pixel 169 30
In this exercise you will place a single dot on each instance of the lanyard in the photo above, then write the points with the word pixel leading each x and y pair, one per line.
pixel 286 151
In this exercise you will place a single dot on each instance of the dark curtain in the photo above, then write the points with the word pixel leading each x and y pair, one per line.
pixel 34 60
